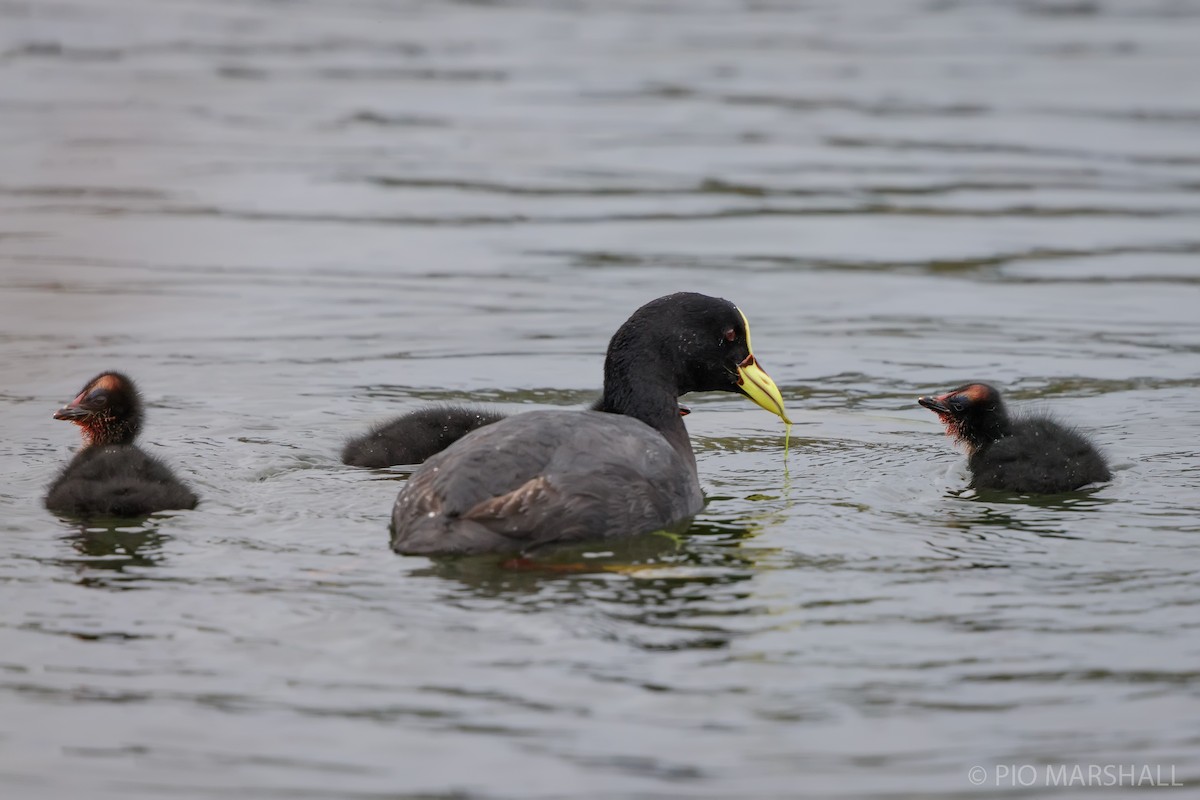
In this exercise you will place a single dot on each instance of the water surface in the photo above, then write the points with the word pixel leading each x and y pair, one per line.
pixel 289 221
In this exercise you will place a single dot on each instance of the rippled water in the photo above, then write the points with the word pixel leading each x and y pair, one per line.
pixel 290 220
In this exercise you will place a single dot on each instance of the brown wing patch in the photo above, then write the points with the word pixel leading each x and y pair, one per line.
pixel 519 501
pixel 418 497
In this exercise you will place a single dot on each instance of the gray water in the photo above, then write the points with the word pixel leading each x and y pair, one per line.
pixel 291 220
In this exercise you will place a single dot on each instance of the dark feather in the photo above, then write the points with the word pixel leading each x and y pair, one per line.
pixel 117 481
pixel 543 477
pixel 1038 456
pixel 413 438
pixel 624 468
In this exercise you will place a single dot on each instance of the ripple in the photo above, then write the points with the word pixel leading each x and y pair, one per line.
pixel 295 219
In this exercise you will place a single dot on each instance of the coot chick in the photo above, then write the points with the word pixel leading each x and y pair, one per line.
pixel 414 437
pixel 110 475
pixel 622 469
pixel 1030 453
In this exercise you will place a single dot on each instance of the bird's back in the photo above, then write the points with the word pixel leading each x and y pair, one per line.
pixel 1041 456
pixel 119 481
pixel 414 437
pixel 542 477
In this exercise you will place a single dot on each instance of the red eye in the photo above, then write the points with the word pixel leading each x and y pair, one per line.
pixel 730 334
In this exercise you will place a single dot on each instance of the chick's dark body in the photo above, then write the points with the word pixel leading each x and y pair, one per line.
pixel 117 481
pixel 414 437
pixel 1038 456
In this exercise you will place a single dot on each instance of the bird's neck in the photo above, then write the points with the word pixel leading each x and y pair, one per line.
pixel 996 427
pixel 105 431
pixel 647 393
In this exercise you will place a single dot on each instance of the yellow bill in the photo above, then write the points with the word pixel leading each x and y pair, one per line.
pixel 757 384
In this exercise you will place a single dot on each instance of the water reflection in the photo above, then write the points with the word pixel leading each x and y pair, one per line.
pixel 116 546
pixel 897 192
pixel 657 592
pixel 1085 499
pixel 707 554
pixel 997 528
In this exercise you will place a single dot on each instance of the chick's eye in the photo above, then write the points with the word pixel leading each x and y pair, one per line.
pixel 957 403
pixel 730 334
pixel 98 398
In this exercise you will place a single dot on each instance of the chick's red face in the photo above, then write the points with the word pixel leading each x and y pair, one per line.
pixel 94 409
pixel 954 407
pixel 950 408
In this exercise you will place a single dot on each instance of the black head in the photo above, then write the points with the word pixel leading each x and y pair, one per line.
pixel 108 410
pixel 682 343
pixel 973 414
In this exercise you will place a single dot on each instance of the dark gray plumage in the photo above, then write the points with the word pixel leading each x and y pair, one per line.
pixel 542 477
pixel 1040 456
pixel 117 481
pixel 622 469
pixel 414 437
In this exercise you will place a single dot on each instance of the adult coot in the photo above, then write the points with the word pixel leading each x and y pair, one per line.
pixel 111 476
pixel 622 469
pixel 1029 453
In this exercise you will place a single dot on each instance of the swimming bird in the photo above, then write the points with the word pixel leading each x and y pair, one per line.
pixel 624 468
pixel 1029 453
pixel 413 437
pixel 110 475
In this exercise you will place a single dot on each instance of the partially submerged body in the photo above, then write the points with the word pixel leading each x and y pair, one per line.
pixel 545 477
pixel 1028 453
pixel 624 468
pixel 110 475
